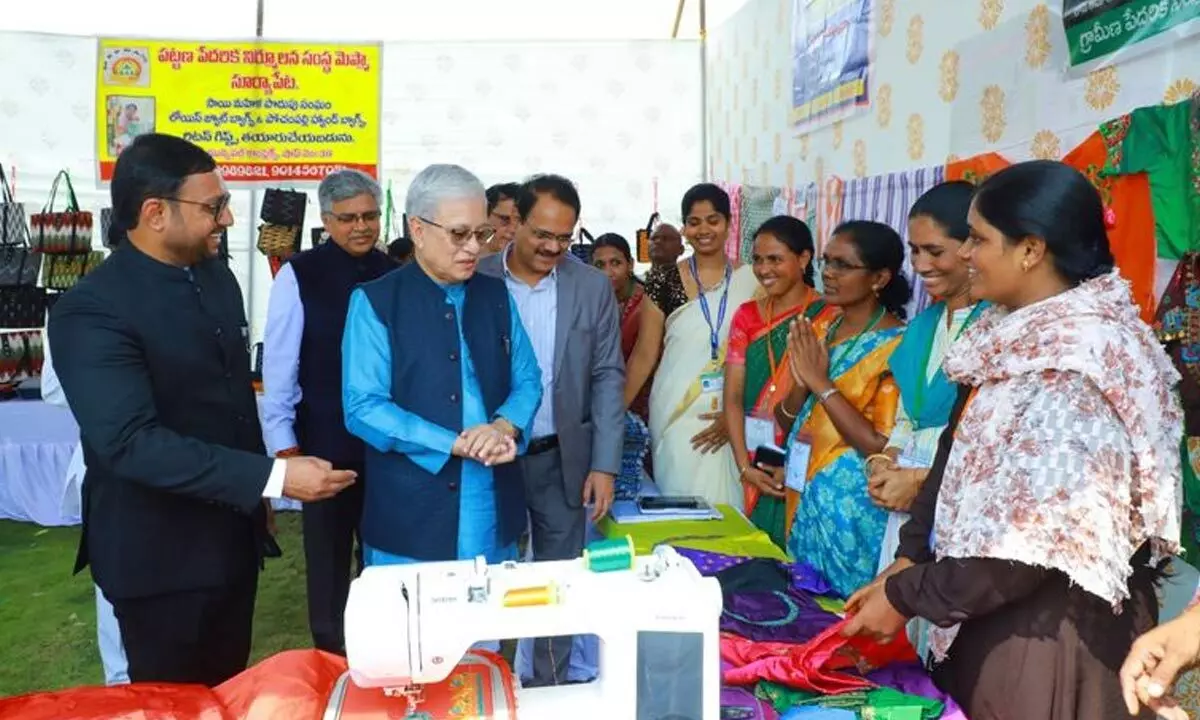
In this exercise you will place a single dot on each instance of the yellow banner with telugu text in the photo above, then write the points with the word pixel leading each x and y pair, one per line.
pixel 271 113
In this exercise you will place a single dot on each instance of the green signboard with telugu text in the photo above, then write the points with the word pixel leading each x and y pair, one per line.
pixel 1098 28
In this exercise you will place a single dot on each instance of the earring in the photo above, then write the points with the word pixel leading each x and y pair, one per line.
pixel 1025 266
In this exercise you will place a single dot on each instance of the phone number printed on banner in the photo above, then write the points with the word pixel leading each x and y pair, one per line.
pixel 268 112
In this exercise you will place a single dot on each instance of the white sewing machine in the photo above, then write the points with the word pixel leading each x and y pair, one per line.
pixel 408 625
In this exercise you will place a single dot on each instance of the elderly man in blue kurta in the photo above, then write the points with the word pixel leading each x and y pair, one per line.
pixel 441 382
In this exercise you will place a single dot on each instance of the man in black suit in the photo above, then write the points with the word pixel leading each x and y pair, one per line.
pixel 152 352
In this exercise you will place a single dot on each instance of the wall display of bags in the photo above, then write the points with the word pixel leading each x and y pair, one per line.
pixel 61 231
pixel 282 215
pixel 21 355
pixel 63 271
pixel 13 230
pixel 19 266
pixel 22 307
pixel 278 240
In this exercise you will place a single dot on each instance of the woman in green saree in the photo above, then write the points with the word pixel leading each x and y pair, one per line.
pixel 757 374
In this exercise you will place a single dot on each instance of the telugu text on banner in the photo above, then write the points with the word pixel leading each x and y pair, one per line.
pixel 1099 28
pixel 270 113
pixel 831 60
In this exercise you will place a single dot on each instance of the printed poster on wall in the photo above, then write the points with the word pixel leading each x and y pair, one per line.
pixel 270 113
pixel 831 60
pixel 1099 28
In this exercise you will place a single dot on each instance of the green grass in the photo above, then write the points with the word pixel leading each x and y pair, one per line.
pixel 48 616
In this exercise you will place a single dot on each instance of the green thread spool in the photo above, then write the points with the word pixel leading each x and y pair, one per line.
pixel 609 555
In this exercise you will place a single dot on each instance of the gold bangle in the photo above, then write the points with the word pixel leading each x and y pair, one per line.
pixel 878 456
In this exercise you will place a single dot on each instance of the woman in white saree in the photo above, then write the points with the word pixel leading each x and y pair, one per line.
pixel 684 333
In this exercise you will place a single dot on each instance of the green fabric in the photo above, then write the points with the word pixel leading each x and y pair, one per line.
pixel 732 535
pixel 889 704
pixel 878 704
pixel 1163 142
pixel 830 604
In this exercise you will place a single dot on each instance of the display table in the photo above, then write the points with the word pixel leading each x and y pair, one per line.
pixel 36 443
pixel 733 534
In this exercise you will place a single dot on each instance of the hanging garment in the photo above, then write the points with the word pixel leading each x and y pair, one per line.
pixel 888 199
pixel 1129 215
pixel 1164 142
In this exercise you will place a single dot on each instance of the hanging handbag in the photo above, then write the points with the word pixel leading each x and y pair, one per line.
pixel 583 250
pixel 12 356
pixel 106 219
pixel 65 231
pixel 283 207
pixel 278 240
pixel 22 307
pixel 12 215
pixel 19 266
pixel 643 238
pixel 64 271
pixel 35 354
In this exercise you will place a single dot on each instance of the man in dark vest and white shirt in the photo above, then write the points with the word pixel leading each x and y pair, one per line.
pixel 302 381
pixel 440 380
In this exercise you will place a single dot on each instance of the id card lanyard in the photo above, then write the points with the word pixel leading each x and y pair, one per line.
pixel 714 331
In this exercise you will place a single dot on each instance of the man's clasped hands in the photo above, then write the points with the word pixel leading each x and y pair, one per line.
pixel 491 444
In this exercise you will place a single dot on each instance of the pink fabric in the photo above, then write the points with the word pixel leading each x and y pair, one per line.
pixel 813 666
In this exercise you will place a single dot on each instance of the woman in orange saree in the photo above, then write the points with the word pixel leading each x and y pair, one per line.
pixel 756 365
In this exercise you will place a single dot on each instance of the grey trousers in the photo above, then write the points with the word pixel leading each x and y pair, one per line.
pixel 557 533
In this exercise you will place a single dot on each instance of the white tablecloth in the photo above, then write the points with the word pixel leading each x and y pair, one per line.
pixel 36 443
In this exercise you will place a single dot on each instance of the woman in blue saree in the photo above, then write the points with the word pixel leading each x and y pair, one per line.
pixel 843 405
pixel 937 228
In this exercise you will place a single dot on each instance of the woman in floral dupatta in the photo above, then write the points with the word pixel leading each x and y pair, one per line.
pixel 844 404
pixel 1035 542
pixel 756 365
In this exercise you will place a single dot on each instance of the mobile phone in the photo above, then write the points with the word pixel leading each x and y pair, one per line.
pixel 769 457
pixel 662 503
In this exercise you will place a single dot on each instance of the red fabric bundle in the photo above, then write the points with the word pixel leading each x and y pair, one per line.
pixel 127 702
pixel 815 665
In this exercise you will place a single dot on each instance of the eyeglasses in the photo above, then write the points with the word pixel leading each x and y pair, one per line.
pixel 216 208
pixel 547 236
pixel 836 266
pixel 355 218
pixel 459 236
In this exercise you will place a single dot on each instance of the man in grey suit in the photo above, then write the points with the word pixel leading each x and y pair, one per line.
pixel 570 314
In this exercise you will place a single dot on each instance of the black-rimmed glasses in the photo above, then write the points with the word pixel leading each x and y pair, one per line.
pixel 216 208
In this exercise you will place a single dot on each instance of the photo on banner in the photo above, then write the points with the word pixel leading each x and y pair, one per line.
pixel 271 113
pixel 1099 30
pixel 831 60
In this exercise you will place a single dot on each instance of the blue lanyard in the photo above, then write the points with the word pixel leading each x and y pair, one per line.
pixel 714 331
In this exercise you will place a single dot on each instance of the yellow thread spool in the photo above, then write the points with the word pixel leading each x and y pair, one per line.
pixel 531 596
